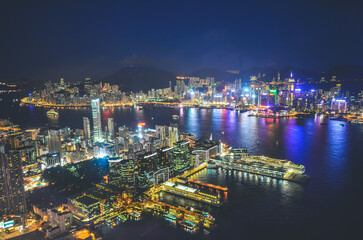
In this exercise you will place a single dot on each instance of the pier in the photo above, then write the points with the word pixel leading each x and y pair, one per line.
pixel 191 193
pixel 193 171
pixel 208 186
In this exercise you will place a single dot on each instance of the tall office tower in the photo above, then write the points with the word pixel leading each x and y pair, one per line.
pixel 165 158
pixel 96 117
pixel 86 128
pixel 291 87
pixel 12 195
pixel 54 142
pixel 111 128
pixel 160 132
pixel 181 156
pixel 13 142
pixel 173 135
pixel 117 148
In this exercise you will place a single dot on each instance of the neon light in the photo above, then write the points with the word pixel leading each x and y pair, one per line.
pixel 9 224
pixel 168 149
pixel 142 124
pixel 151 155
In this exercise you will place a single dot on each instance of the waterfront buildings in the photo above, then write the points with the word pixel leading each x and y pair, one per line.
pixel 290 93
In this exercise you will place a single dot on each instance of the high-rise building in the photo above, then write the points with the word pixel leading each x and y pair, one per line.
pixel 165 158
pixel 146 165
pixel 173 135
pixel 181 156
pixel 160 132
pixel 111 128
pixel 86 128
pixel 54 142
pixel 168 132
pixel 12 195
pixel 96 117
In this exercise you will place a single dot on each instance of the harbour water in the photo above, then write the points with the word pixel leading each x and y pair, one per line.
pixel 257 207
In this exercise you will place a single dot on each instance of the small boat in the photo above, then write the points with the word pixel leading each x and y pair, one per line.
pixel 52 113
pixel 122 217
pixel 211 164
pixel 342 125
pixel 324 124
pixel 188 225
pixel 175 117
pixel 170 217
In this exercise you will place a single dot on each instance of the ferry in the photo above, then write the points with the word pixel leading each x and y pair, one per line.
pixel 209 224
pixel 52 113
pixel 135 215
pixel 212 164
pixel 188 225
pixel 170 217
pixel 122 217
pixel 201 214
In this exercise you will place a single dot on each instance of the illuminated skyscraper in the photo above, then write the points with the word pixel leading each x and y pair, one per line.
pixel 86 128
pixel 181 156
pixel 96 117
pixel 173 135
pixel 111 129
pixel 291 87
pixel 12 195
pixel 54 142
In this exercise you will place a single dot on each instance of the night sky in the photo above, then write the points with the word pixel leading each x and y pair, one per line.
pixel 44 40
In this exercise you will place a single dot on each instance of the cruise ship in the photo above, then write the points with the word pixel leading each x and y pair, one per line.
pixel 239 159
pixel 52 113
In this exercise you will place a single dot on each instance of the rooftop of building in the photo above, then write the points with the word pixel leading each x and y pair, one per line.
pixel 86 200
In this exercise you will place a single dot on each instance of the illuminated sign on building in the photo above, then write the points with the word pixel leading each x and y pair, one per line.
pixel 7 224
